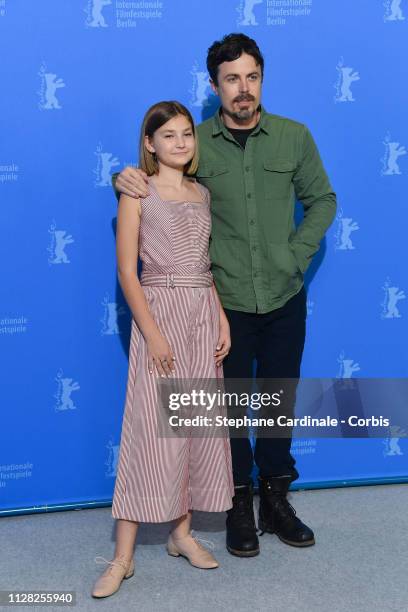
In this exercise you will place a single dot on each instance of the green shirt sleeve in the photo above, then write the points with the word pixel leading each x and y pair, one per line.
pixel 314 191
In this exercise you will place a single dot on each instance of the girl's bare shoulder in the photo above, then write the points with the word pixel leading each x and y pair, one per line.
pixel 130 205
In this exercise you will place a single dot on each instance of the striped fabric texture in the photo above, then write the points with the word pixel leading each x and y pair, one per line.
pixel 160 479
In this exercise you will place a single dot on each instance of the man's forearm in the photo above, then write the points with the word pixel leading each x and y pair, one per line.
pixel 317 219
pixel 314 191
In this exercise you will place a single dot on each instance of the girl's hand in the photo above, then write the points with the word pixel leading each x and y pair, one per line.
pixel 224 341
pixel 160 354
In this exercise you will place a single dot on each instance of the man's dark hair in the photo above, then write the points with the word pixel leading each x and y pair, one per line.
pixel 230 48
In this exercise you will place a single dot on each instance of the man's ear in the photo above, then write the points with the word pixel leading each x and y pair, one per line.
pixel 214 87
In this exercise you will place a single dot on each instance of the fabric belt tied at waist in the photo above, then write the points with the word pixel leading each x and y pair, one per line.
pixel 176 280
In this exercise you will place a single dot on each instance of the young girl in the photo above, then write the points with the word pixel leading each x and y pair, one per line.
pixel 179 329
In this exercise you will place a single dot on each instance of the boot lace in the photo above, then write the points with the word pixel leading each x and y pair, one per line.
pixel 243 513
pixel 285 507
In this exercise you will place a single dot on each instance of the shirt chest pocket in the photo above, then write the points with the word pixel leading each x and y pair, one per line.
pixel 216 177
pixel 278 174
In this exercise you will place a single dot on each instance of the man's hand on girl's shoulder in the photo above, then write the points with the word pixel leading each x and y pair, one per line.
pixel 132 182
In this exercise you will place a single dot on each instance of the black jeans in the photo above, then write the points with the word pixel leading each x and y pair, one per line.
pixel 276 340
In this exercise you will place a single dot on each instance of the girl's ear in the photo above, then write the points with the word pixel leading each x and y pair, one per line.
pixel 148 145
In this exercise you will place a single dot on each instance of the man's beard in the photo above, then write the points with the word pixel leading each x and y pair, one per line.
pixel 243 114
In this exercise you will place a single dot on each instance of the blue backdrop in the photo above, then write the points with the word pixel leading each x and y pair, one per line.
pixel 76 79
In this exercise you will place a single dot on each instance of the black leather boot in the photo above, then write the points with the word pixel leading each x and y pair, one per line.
pixel 242 540
pixel 277 515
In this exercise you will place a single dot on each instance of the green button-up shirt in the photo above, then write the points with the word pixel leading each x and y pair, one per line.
pixel 257 254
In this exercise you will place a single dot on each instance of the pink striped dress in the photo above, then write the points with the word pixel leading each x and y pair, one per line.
pixel 160 479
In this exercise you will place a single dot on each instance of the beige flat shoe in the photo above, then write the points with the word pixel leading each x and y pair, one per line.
pixel 119 569
pixel 190 548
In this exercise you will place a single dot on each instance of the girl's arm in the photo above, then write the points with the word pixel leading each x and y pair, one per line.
pixel 224 338
pixel 127 249
pixel 223 316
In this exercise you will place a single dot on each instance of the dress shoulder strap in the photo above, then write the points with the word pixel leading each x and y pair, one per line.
pixel 204 191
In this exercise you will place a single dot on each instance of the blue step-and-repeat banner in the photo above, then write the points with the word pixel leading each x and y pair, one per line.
pixel 77 77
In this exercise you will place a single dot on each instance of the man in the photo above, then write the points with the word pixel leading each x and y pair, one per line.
pixel 255 165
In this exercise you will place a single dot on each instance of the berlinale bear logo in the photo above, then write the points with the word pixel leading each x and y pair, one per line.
pixel 94 17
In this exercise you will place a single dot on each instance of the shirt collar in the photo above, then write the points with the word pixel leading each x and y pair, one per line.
pixel 219 127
